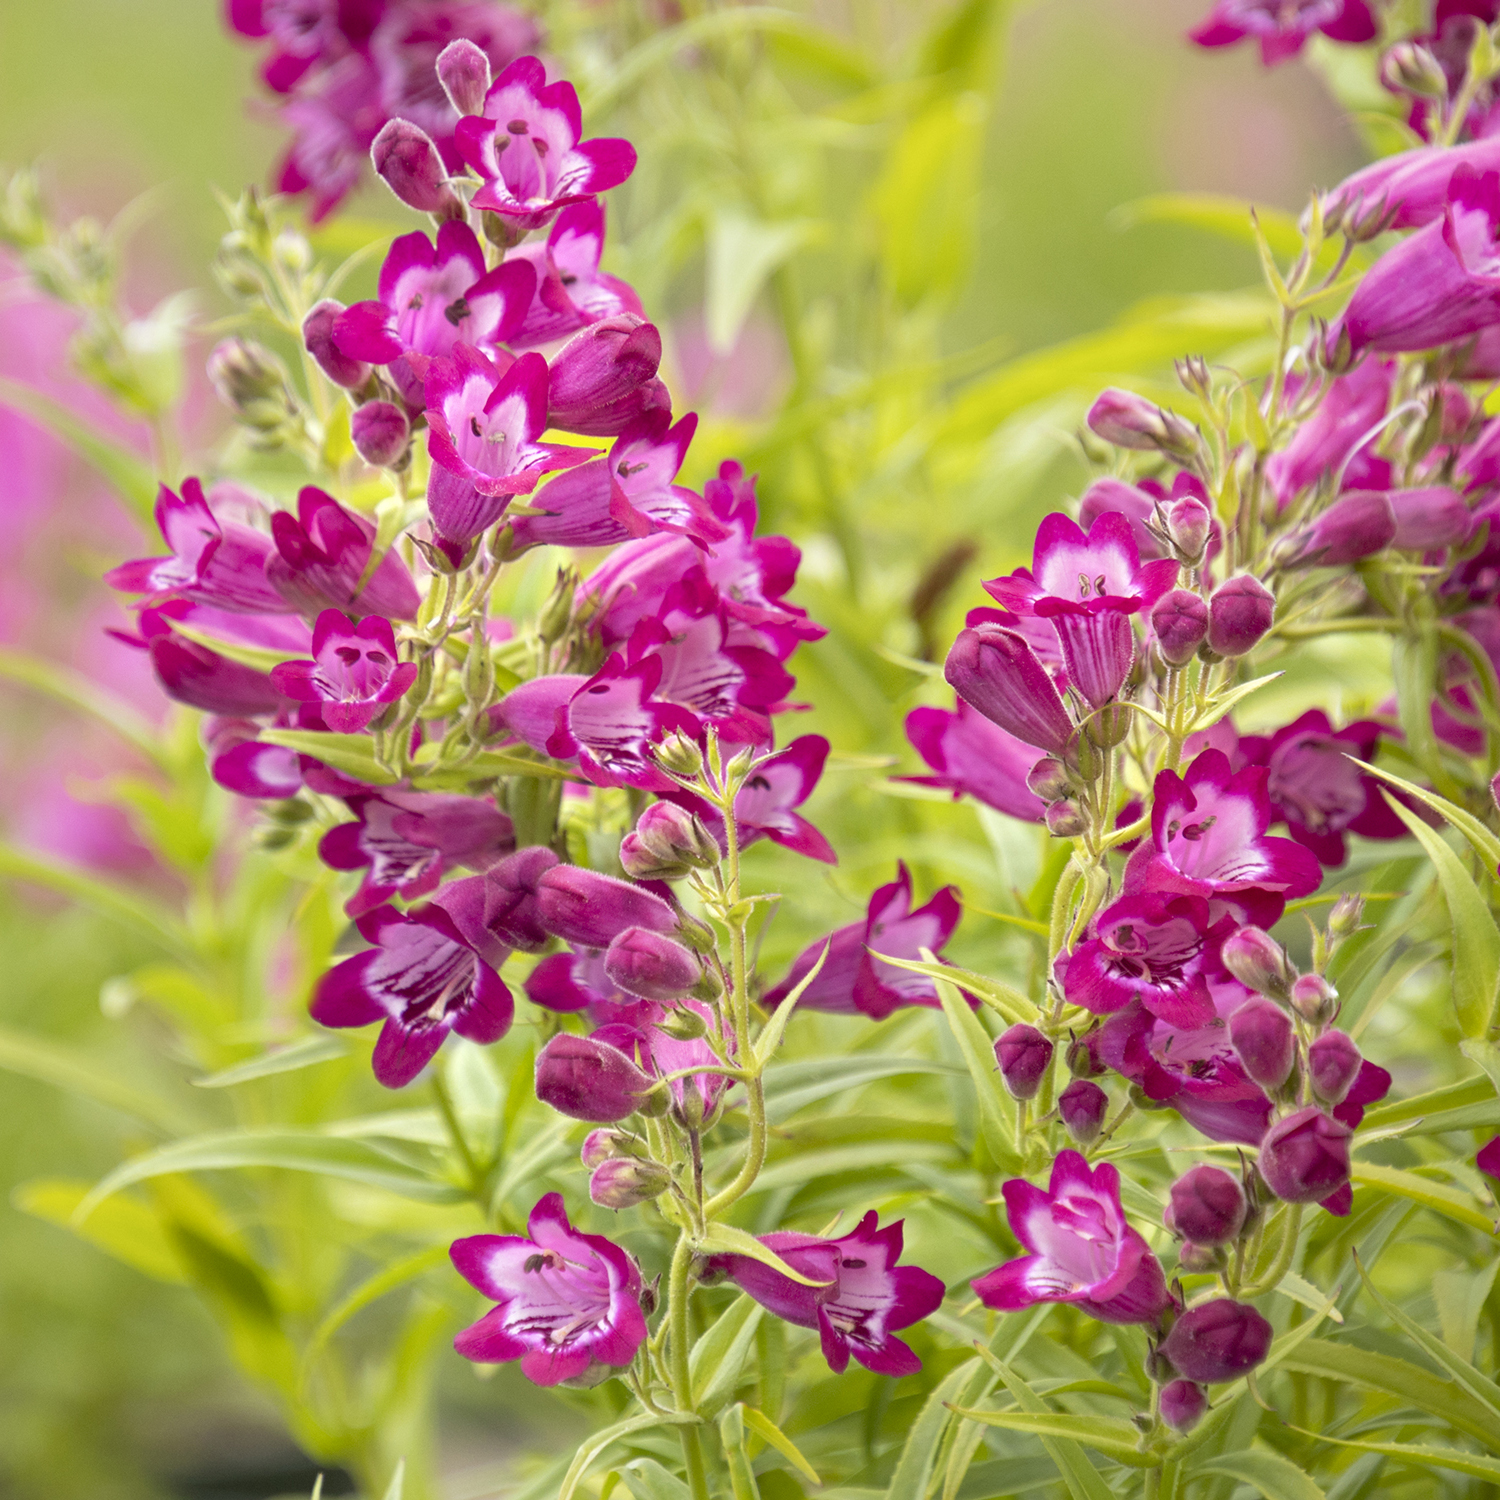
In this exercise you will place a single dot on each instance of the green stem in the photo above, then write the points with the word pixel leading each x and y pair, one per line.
pixel 682 1387
pixel 1290 1227
pixel 456 1134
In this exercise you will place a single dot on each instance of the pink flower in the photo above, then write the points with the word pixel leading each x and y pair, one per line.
pixel 1082 1250
pixel 970 755
pixel 1346 418
pixel 567 1303
pixel 323 555
pixel 571 290
pixel 1282 27
pixel 354 672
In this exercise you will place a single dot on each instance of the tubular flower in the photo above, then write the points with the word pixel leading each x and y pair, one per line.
pixel 862 1297
pixel 1082 1250
pixel 571 290
pixel 567 1303
pixel 1282 27
pixel 354 672
pixel 970 755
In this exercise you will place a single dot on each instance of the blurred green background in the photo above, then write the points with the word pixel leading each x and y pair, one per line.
pixel 878 382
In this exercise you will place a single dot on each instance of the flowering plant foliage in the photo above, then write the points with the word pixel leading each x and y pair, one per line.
pixel 519 826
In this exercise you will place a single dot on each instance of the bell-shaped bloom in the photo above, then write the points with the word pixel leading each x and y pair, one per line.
pixel 422 979
pixel 970 755
pixel 216 562
pixel 1208 838
pixel 1305 1157
pixel 354 672
pixel 1081 1249
pixel 1488 1159
pixel 995 671
pixel 431 299
pixel 1218 1340
pixel 852 978
pixel 567 1304
pixel 322 556
pixel 862 1299
pixel 575 981
pixel 240 763
pixel 1281 29
pixel 1138 507
pixel 1344 422
pixel 404 841
pixel 604 378
pixel 1430 518
pixel 1357 525
pixel 1411 187
pixel 571 290
pixel 483 430
pixel 334 116
pixel 1207 1206
pixel 583 906
pixel 1317 789
pixel 628 494
pixel 512 898
pixel 589 1079
pixel 1439 285
pixel 526 148
pixel 1158 949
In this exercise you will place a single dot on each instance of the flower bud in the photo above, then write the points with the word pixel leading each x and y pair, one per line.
pixel 1333 1063
pixel 683 1024
pixel 603 1145
pixel 1130 421
pixel 589 1080
pixel 463 69
pixel 1355 526
pixel 645 963
pixel 1265 1042
pixel 381 433
pixel 1430 518
pixel 1189 524
pixel 1023 1056
pixel 1218 1340
pixel 252 383
pixel 1347 913
pixel 408 162
pixel 1083 1061
pixel 1065 820
pixel 1240 612
pixel 1410 68
pixel 1049 780
pixel 667 842
pixel 1256 959
pixel 622 1182
pixel 1182 1405
pixel 604 377
pixel 1315 1000
pixel 1082 1107
pixel 1487 1159
pixel 1180 621
pixel 1199 1258
pixel 680 755
pixel 1305 1157
pixel 317 335
pixel 582 906
pixel 1207 1206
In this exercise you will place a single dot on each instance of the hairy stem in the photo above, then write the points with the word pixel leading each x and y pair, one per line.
pixel 677 1351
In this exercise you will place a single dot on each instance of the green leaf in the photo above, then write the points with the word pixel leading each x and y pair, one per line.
pixel 304 1054
pixel 1476 1464
pixel 1221 703
pixel 732 1439
pixel 743 251
pixel 1277 1478
pixel 595 1444
pixel 398 1481
pixel 1476 940
pixel 918 1454
pixel 794 1085
pixel 291 1150
pixel 1436 1102
pixel 1453 1203
pixel 770 1039
pixel 1008 1002
pixel 649 1481
pixel 130 478
pixel 718 1358
pixel 123 1228
pixel 759 1422
pixel 1460 1297
pixel 1299 1290
pixel 1485 843
pixel 996 1124
pixel 725 1239
pixel 353 754
pixel 1215 213
pixel 1111 1436
pixel 484 766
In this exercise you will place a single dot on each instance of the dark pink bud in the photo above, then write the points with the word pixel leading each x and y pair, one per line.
pixel 605 377
pixel 1256 959
pixel 1355 526
pixel 1048 779
pixel 1218 1340
pixel 1305 1157
pixel 602 1145
pixel 317 335
pixel 1265 1042
pixel 1130 421
pixel 1314 999
pixel 589 1080
pixel 647 964
pixel 464 72
pixel 1180 620
pixel 1023 1055
pixel 1333 1063
pixel 1239 614
pixel 997 672
pixel 1083 1106
pixel 1065 820
pixel 380 432
pixel 1429 518
pixel 1182 1405
pixel 1208 1206
pixel 668 842
pixel 582 906
pixel 405 157
pixel 1488 1159
pixel 1189 524
pixel 622 1182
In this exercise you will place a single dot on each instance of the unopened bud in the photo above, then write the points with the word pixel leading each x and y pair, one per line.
pixel 680 755
pixel 252 382
pixel 1217 1341
pixel 1082 1107
pixel 1409 68
pixel 1314 999
pixel 1193 375
pixel 1049 780
pixel 1189 525
pixel 1065 820
pixel 1333 1063
pixel 557 614
pixel 668 841
pixel 381 433
pixel 1023 1056
pixel 1199 1258
pixel 1207 1206
pixel 408 162
pixel 317 335
pixel 463 69
pixel 683 1024
pixel 1347 914
pixel 1265 1042
pixel 1258 961
pixel 1240 612
pixel 1083 1061
pixel 649 964
pixel 1130 421
pixel 1179 620
pixel 1182 1405
pixel 1305 1157
pixel 604 1145
pixel 623 1182
pixel 1356 526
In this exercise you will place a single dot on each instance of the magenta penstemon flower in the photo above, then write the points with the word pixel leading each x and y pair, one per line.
pixel 1282 27
pixel 863 1298
pixel 354 672
pixel 567 1303
pixel 1081 1249
pixel 971 756
pixel 571 290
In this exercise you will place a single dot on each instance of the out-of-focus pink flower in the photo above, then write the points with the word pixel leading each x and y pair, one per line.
pixel 1282 27
pixel 970 755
